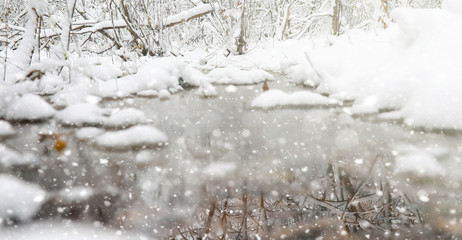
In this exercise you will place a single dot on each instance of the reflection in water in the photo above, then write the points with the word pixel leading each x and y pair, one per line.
pixel 230 171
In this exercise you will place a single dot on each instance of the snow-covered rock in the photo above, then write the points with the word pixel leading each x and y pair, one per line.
pixel 88 133
pixel 6 129
pixel 276 97
pixel 134 137
pixel 29 107
pixel 126 118
pixel 10 157
pixel 19 199
pixel 233 75
pixel 82 114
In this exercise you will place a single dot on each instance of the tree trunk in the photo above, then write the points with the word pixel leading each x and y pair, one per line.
pixel 241 42
pixel 336 19
pixel 66 33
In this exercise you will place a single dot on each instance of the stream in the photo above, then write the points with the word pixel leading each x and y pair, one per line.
pixel 231 170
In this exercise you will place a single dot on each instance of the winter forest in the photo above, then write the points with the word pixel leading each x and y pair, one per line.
pixel 230 119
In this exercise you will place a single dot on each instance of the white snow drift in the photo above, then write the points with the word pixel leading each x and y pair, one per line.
pixel 413 66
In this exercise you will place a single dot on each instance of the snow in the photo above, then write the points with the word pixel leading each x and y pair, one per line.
pixel 125 118
pixel 29 107
pixel 186 15
pixel 357 89
pixel 19 198
pixel 106 71
pixel 103 24
pixel 137 136
pixel 6 129
pixel 88 133
pixel 412 67
pixel 233 75
pixel 9 157
pixel 231 89
pixel 82 114
pixel 276 97
pixel 453 6
pixel 65 231
pixel 155 74
pixel 164 94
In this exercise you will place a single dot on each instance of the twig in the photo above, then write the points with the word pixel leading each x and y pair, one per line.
pixel 360 185
pixel 6 49
pixel 314 69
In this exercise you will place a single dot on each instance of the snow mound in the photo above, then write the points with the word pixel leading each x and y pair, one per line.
pixel 158 74
pixel 19 199
pixel 276 97
pixel 10 157
pixel 233 75
pixel 88 133
pixel 126 118
pixel 29 107
pixel 134 137
pixel 6 129
pixel 106 71
pixel 82 114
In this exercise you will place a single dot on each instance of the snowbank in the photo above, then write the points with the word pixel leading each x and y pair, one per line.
pixel 29 107
pixel 233 75
pixel 155 74
pixel 20 199
pixel 82 114
pixel 413 66
pixel 275 97
pixel 134 137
